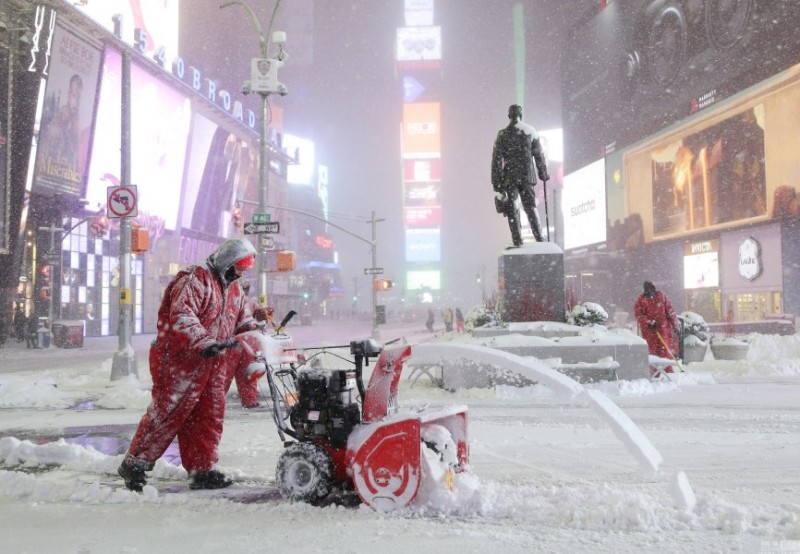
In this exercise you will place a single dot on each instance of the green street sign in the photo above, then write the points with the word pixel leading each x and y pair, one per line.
pixel 261 218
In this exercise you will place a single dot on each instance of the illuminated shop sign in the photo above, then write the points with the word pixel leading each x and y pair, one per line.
pixel 302 150
pixel 750 264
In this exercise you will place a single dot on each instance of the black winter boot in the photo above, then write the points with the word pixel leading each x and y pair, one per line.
pixel 211 479
pixel 132 471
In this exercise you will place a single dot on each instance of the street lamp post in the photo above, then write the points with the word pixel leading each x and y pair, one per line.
pixel 264 82
pixel 373 248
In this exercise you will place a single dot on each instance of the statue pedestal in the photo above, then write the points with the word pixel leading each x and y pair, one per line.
pixel 531 283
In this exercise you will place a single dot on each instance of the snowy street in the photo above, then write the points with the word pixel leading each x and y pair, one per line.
pixel 546 474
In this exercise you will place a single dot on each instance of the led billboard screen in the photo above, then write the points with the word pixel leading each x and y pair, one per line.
pixel 416 280
pixel 423 245
pixel 160 119
pixel 638 66
pixel 421 130
pixel 220 167
pixel 584 206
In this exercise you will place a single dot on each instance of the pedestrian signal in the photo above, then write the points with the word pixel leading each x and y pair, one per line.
pixel 238 219
pixel 383 284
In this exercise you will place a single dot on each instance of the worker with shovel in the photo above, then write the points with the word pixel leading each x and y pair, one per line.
pixel 656 318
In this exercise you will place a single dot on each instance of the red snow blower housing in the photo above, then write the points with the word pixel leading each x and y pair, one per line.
pixel 345 435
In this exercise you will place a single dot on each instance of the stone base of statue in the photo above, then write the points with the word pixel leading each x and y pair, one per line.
pixel 531 283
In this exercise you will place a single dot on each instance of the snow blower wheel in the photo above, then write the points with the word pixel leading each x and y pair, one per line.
pixel 304 473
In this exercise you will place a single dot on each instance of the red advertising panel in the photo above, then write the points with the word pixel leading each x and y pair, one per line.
pixel 421 130
pixel 67 113
pixel 422 194
pixel 422 170
pixel 424 216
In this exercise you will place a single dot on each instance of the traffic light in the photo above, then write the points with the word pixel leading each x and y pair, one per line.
pixel 383 284
pixel 238 219
pixel 98 226
pixel 45 281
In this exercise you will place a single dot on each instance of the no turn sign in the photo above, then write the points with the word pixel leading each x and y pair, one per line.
pixel 122 201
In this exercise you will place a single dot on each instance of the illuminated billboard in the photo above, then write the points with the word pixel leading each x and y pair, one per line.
pixel 423 216
pixel 638 66
pixel 67 114
pixel 301 173
pixel 419 43
pixel 160 119
pixel 423 245
pixel 421 130
pixel 422 170
pixel 701 265
pixel 422 194
pixel 583 206
pixel 220 167
pixel 416 280
pixel 713 174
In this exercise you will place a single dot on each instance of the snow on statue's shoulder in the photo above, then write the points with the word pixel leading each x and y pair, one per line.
pixel 527 129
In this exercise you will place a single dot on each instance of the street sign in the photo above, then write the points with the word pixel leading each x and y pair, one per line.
pixel 122 201
pixel 254 228
pixel 266 242
pixel 373 271
pixel 261 218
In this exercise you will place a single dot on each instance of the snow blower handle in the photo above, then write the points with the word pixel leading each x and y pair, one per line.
pixel 280 326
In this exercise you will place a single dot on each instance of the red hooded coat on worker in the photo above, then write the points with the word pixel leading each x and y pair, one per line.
pixel 655 307
pixel 201 306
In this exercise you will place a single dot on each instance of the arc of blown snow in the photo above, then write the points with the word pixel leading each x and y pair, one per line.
pixel 635 442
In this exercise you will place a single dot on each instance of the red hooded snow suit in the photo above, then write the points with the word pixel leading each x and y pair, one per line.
pixel 200 307
pixel 658 309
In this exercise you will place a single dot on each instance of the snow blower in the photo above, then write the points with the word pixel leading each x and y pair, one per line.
pixel 339 433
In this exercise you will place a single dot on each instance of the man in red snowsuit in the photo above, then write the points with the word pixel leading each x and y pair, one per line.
pixel 203 307
pixel 248 388
pixel 656 318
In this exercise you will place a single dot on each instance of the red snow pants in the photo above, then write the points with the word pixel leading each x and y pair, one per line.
pixel 188 402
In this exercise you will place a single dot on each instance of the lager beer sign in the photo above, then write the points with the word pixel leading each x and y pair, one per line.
pixel 750 265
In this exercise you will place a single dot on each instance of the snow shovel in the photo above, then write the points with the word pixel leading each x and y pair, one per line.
pixel 680 366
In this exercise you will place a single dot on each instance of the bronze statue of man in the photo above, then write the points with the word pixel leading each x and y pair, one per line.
pixel 515 149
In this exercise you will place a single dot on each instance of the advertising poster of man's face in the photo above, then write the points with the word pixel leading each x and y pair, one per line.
pixel 67 113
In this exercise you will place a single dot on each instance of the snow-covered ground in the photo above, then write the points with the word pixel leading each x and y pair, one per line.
pixel 547 473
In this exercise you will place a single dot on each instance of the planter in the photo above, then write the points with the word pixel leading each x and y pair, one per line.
pixel 729 349
pixel 694 352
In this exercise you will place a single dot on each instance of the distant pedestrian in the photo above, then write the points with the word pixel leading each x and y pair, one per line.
pixel 31 332
pixel 20 323
pixel 447 316
pixel 429 321
pixel 459 321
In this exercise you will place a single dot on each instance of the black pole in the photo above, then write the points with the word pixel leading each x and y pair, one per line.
pixel 546 214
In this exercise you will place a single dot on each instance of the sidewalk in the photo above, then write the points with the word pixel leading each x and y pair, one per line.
pixel 15 357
